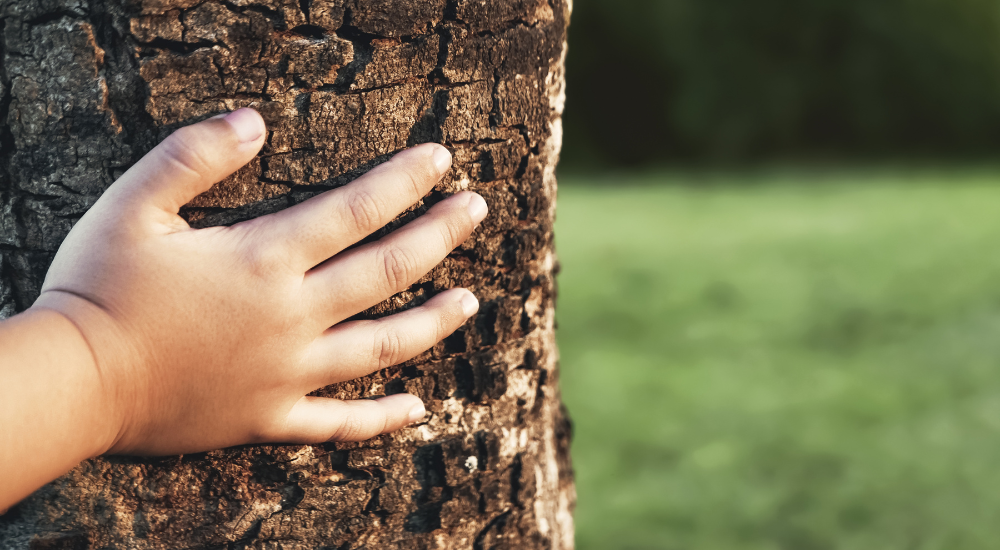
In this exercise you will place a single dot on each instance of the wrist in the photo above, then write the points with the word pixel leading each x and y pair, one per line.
pixel 96 398
pixel 56 407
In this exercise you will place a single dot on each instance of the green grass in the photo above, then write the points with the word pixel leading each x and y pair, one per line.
pixel 791 362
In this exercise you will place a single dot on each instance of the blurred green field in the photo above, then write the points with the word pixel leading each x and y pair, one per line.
pixel 783 360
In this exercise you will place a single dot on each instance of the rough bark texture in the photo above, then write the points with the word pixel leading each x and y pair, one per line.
pixel 88 86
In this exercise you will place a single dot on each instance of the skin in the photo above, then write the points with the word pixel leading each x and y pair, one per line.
pixel 152 338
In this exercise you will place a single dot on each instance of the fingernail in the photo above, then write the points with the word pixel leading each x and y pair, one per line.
pixel 477 208
pixel 442 159
pixel 247 123
pixel 470 305
pixel 416 414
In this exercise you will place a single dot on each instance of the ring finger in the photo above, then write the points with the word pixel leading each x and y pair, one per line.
pixel 360 278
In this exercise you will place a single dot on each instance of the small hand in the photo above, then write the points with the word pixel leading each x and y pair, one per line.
pixel 213 337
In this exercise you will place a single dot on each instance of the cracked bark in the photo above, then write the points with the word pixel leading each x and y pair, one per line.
pixel 88 86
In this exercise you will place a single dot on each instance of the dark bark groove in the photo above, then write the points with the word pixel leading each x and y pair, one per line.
pixel 88 86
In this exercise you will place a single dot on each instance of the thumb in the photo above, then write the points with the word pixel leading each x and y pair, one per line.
pixel 191 160
pixel 318 420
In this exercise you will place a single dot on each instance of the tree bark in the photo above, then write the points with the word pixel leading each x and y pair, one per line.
pixel 88 86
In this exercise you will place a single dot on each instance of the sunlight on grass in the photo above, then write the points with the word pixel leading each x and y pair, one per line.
pixel 783 364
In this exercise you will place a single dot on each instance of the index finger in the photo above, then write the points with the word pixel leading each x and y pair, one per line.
pixel 316 230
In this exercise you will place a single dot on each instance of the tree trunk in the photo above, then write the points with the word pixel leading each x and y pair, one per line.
pixel 88 86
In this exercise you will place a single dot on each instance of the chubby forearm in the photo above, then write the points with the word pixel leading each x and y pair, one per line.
pixel 52 402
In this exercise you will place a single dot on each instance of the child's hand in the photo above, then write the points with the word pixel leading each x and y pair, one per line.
pixel 209 338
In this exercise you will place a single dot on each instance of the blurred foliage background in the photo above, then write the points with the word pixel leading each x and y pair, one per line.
pixel 732 80
pixel 779 308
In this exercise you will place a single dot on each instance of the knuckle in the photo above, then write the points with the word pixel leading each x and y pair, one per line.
pixel 445 324
pixel 185 149
pixel 415 177
pixel 409 182
pixel 366 212
pixel 455 229
pixel 265 259
pixel 352 428
pixel 381 422
pixel 388 348
pixel 398 266
pixel 365 421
